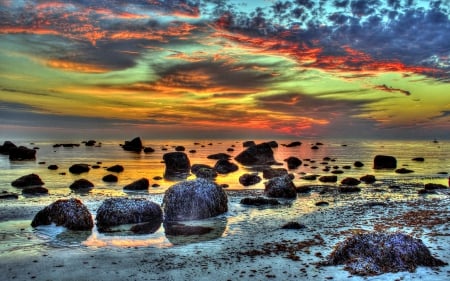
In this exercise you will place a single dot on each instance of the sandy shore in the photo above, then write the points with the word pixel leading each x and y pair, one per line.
pixel 248 244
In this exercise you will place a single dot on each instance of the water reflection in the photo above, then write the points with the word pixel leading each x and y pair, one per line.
pixel 195 231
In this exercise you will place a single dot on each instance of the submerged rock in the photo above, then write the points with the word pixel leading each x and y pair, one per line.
pixel 194 199
pixel 179 229
pixel 350 181
pixel 110 178
pixel 115 169
pixel 260 154
pixel 328 179
pixel 35 190
pixel 377 253
pixel 219 156
pixel 70 213
pixel 117 211
pixel 294 144
pixel 140 184
pixel 404 171
pixel 281 187
pixel 134 145
pixel 28 180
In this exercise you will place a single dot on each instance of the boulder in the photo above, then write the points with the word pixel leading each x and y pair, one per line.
pixel 274 172
pixel 7 145
pixel 350 181
pixel 28 180
pixel 249 179
pixel 303 189
pixel 384 162
pixel 328 179
pixel 177 164
pixel 90 143
pixel 259 201
pixel 134 145
pixel 225 167
pixel 70 213
pixel 194 199
pixel 115 169
pixel 22 153
pixel 260 154
pixel 79 168
pixel 377 253
pixel 110 178
pixel 118 211
pixel 281 187
pixel 368 179
pixel 82 185
pixel 203 171
pixel 140 184
pixel 293 162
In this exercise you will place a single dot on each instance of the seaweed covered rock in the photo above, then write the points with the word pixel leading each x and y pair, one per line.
pixel 260 154
pixel 377 253
pixel 140 184
pixel 28 180
pixel 70 213
pixel 281 187
pixel 178 165
pixel 194 199
pixel 117 211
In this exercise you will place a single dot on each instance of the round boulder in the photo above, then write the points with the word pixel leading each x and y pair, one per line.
pixel 281 187
pixel 70 213
pixel 293 162
pixel 22 153
pixel 384 162
pixel 177 165
pixel 81 185
pixel 194 199
pixel 249 179
pixel 225 167
pixel 110 178
pixel 28 180
pixel 79 168
pixel 368 179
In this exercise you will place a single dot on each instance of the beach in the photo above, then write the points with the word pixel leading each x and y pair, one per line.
pixel 246 242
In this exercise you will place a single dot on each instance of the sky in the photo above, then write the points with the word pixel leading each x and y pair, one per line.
pixel 225 69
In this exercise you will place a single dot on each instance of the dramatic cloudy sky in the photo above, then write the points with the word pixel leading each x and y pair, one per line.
pixel 224 68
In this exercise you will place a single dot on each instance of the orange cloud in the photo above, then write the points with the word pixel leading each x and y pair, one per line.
pixel 76 66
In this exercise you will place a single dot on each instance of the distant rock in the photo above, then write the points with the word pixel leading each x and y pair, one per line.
pixel 434 186
pixel 293 162
pixel 115 169
pixel 134 145
pixel 314 147
pixel 248 143
pixel 110 178
pixel 177 164
pixel 5 195
pixel 384 162
pixel 219 156
pixel 418 159
pixel 294 144
pixel 293 225
pixel 270 173
pixel 180 148
pixel 79 168
pixel 140 184
pixel 309 177
pixel 194 199
pixel 272 144
pixel 225 167
pixel 404 171
pixel 259 201
pixel 22 153
pixel 6 147
pixel 350 181
pixel 53 167
pixel 368 179
pixel 90 143
pixel 260 154
pixel 249 179
pixel 28 180
pixel 81 185
pixel 118 211
pixel 281 187
pixel 328 179
pixel 148 150
pixel 204 171
pixel 70 213
pixel 35 190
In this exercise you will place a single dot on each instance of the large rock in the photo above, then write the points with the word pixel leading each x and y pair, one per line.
pixel 7 145
pixel 225 167
pixel 384 162
pixel 260 154
pixel 79 168
pixel 281 187
pixel 249 179
pixel 118 211
pixel 22 153
pixel 195 199
pixel 378 253
pixel 140 184
pixel 81 185
pixel 28 180
pixel 70 213
pixel 133 145
pixel 178 165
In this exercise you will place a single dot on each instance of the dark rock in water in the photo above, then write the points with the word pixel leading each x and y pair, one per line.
pixel 35 190
pixel 303 189
pixel 7 145
pixel 293 162
pixel 180 148
pixel 140 184
pixel 322 204
pixel 96 166
pixel 293 225
pixel 8 195
pixel 418 159
pixel 337 172
pixel 274 172
pixel 90 143
pixel 368 179
pixel 384 162
pixel 377 253
pixel 249 179
pixel 157 178
pixel 434 186
pixel 349 189
pixel 225 167
pixel 248 143
pixel 194 199
pixel 260 154
pixel 203 171
pixel 219 156
pixel 82 185
pixel 281 187
pixel 404 171
pixel 350 181
pixel 230 149
pixel 178 165
pixel 294 144
pixel 79 168
pixel 148 150
pixel 22 153
pixel 70 145
pixel 309 177
pixel 358 164
pixel 179 229
pixel 110 178
pixel 134 145
pixel 314 147
pixel 28 180
pixel 273 144
pixel 346 167
pixel 442 173
pixel 192 151
pixel 70 213
pixel 328 179
pixel 53 167
pixel 118 211
pixel 115 169
pixel 259 201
